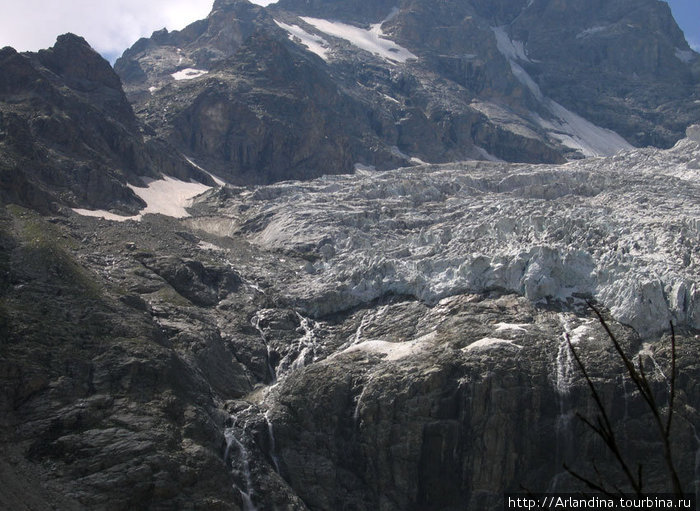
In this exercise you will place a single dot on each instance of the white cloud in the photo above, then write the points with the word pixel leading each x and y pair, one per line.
pixel 110 26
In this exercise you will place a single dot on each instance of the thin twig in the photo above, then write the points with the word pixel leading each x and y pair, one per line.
pixel 604 428
pixel 640 380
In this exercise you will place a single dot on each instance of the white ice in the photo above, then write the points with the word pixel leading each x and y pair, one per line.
pixel 314 43
pixel 188 74
pixel 392 351
pixel 488 343
pixel 622 230
pixel 372 40
pixel 519 327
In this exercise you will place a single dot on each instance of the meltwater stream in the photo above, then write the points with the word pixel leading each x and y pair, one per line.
pixel 563 380
pixel 232 441
pixel 255 321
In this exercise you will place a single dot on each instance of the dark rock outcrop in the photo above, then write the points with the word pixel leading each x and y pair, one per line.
pixel 68 135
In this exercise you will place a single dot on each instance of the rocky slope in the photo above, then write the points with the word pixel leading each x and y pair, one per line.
pixel 389 340
pixel 68 135
pixel 301 89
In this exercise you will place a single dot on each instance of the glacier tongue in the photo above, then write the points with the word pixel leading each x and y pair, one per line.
pixel 623 230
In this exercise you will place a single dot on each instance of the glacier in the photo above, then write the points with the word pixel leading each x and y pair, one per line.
pixel 620 230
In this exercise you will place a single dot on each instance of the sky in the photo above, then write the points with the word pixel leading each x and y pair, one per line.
pixel 111 26
pixel 687 14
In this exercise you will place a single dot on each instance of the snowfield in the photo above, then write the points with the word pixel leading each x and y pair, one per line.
pixel 373 40
pixel 314 44
pixel 167 196
pixel 623 230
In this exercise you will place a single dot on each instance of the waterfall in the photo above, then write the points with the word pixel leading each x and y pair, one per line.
pixel 273 448
pixel 356 414
pixel 360 328
pixel 625 397
pixel 233 441
pixel 255 321
pixel 647 350
pixel 563 380
pixel 307 345
pixel 304 350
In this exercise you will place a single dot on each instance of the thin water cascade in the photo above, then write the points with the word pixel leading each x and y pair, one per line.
pixel 360 328
pixel 273 447
pixel 648 351
pixel 563 380
pixel 233 441
pixel 307 345
pixel 625 398
pixel 255 321
pixel 304 351
pixel 356 414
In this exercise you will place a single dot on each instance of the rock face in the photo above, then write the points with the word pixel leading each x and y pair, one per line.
pixel 301 89
pixel 69 136
pixel 633 52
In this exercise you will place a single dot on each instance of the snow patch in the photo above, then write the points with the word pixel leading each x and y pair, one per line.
pixel 489 343
pixel 217 180
pixel 167 196
pixel 373 40
pixel 314 43
pixel 205 245
pixel 520 327
pixel 361 168
pixel 400 154
pixel 512 50
pixel 591 31
pixel 487 155
pixel 188 74
pixel 392 351
pixel 575 132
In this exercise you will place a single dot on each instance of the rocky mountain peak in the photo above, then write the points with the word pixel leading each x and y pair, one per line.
pixel 69 136
pixel 73 59
pixel 434 82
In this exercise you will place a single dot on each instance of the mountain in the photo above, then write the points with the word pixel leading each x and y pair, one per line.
pixel 302 89
pixel 340 255
pixel 70 137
